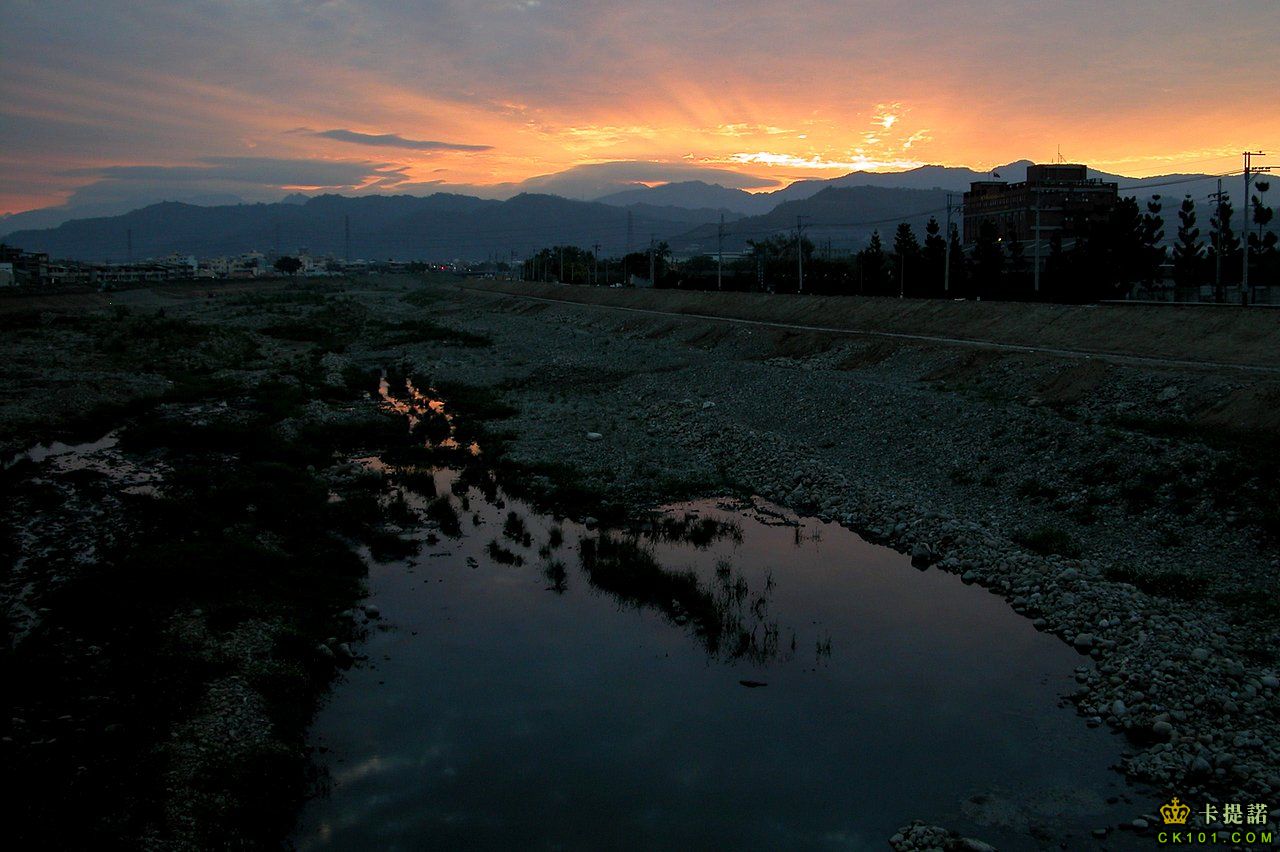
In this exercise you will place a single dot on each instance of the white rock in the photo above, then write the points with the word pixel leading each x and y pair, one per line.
pixel 594 436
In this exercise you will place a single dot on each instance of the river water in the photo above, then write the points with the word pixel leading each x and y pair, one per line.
pixel 728 676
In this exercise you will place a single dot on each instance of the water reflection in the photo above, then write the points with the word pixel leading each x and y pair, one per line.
pixel 424 411
pixel 716 675
pixel 725 615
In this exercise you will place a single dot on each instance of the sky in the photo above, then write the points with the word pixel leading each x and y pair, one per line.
pixel 104 101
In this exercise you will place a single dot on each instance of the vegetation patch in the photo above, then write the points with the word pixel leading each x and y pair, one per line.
pixel 1048 540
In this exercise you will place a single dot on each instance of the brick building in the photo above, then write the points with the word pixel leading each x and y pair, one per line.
pixel 1066 197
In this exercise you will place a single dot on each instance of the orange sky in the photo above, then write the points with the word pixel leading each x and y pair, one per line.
pixel 234 96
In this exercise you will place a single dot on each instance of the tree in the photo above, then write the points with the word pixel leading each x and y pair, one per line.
pixel 1264 240
pixel 1054 284
pixel 1223 246
pixel 871 267
pixel 1116 255
pixel 288 265
pixel 776 256
pixel 988 260
pixel 1262 245
pixel 934 257
pixel 1152 236
pixel 1016 279
pixel 906 254
pixel 957 277
pixel 1188 250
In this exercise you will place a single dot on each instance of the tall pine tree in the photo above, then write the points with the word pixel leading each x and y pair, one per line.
pixel 1224 246
pixel 1152 237
pixel 906 257
pixel 1188 250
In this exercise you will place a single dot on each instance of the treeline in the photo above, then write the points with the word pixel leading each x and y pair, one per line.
pixel 1120 256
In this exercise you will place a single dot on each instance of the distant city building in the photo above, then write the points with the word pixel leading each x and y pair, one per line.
pixel 1065 196
pixel 28 267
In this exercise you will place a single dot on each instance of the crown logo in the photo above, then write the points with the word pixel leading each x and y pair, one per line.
pixel 1175 813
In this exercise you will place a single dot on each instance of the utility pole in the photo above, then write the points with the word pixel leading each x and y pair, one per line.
pixel 720 254
pixel 1249 169
pixel 800 253
pixel 626 280
pixel 595 264
pixel 128 246
pixel 1037 253
pixel 946 263
pixel 277 239
pixel 561 264
pixel 346 237
pixel 652 282
pixel 1217 249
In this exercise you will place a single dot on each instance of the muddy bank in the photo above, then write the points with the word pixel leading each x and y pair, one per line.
pixel 179 589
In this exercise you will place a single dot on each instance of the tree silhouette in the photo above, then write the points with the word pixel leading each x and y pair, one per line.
pixel 957 263
pixel 1188 250
pixel 1224 245
pixel 934 257
pixel 288 265
pixel 906 254
pixel 1152 236
pixel 1262 245
pixel 871 267
pixel 988 260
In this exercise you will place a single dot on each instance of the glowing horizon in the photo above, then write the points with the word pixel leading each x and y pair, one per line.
pixel 250 100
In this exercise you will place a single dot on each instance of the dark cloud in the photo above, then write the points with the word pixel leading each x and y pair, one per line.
pixel 391 140
pixel 263 171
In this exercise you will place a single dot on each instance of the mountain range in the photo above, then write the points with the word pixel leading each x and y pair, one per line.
pixel 843 210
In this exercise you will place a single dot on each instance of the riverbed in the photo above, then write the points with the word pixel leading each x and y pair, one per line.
pixel 724 675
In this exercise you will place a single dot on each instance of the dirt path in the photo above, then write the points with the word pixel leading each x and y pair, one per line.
pixel 1209 335
pixel 1111 357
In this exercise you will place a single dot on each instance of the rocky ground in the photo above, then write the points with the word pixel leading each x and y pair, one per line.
pixel 1125 508
pixel 1130 509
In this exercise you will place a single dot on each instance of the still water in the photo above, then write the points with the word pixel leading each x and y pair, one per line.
pixel 726 677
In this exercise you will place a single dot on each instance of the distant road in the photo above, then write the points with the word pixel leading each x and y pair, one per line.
pixel 980 343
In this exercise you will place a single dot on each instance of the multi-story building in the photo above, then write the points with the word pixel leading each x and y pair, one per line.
pixel 1061 196
pixel 29 267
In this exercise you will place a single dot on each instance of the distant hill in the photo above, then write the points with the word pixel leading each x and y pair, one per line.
pixel 955 179
pixel 695 194
pixel 443 226
pixel 844 215
pixel 52 217
pixel 402 227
